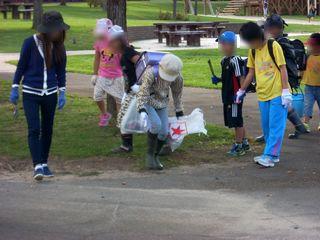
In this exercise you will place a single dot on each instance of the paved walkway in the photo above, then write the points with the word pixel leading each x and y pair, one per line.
pixel 231 200
pixel 257 18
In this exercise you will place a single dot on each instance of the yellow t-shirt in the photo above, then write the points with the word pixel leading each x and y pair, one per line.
pixel 268 77
pixel 312 74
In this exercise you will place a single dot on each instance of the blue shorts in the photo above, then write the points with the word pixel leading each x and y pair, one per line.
pixel 312 95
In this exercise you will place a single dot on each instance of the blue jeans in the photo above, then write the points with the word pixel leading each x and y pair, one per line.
pixel 39 128
pixel 311 95
pixel 273 121
pixel 158 121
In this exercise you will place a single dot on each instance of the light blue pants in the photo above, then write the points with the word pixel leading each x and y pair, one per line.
pixel 158 121
pixel 273 122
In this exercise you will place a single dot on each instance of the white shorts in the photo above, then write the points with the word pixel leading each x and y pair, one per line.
pixel 112 86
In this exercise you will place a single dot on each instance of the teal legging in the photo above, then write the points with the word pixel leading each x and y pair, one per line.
pixel 273 122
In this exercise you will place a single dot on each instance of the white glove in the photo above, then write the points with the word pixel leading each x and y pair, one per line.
pixel 94 80
pixel 144 119
pixel 135 88
pixel 240 95
pixel 286 98
pixel 123 98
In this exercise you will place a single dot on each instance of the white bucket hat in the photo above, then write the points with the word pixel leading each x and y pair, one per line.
pixel 102 27
pixel 115 32
pixel 170 67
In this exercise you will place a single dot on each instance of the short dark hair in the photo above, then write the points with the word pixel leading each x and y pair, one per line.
pixel 315 37
pixel 251 31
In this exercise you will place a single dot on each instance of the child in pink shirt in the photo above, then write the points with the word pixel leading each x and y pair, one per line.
pixel 108 77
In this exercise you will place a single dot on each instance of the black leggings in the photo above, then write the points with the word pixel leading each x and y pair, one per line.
pixel 40 128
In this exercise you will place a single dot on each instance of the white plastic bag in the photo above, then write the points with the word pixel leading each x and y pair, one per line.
pixel 191 124
pixel 131 121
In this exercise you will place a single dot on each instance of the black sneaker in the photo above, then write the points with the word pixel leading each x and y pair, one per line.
pixel 122 149
pixel 46 171
pixel 260 139
pixel 236 150
pixel 38 174
pixel 246 145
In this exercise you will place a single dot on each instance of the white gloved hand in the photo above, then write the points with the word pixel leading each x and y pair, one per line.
pixel 144 119
pixel 240 96
pixel 123 98
pixel 135 88
pixel 94 80
pixel 286 98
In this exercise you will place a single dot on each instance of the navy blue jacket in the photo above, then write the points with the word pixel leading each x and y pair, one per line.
pixel 37 79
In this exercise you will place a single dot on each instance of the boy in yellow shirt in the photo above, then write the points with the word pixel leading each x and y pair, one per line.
pixel 267 63
pixel 311 78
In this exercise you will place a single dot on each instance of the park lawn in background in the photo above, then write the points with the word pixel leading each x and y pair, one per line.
pixel 196 72
pixel 82 20
pixel 77 135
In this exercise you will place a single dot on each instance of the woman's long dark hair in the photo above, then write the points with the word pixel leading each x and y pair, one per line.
pixel 53 50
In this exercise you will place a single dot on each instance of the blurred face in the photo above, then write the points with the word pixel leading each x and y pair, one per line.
pixel 255 44
pixel 56 36
pixel 227 49
pixel 314 49
pixel 273 32
pixel 115 45
pixel 101 37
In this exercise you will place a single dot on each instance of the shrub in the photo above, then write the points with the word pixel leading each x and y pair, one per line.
pixel 165 15
pixel 94 3
pixel 182 17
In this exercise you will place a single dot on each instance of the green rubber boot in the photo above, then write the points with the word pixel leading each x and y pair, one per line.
pixel 160 145
pixel 152 145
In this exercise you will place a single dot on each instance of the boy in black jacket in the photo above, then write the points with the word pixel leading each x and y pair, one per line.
pixel 232 75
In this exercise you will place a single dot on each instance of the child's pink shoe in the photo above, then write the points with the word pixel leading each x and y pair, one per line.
pixel 104 119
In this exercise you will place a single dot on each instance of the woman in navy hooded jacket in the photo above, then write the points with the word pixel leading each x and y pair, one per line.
pixel 42 72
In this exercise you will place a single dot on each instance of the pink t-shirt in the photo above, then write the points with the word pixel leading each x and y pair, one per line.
pixel 109 66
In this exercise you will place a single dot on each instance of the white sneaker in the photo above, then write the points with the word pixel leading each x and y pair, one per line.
pixel 265 161
pixel 274 159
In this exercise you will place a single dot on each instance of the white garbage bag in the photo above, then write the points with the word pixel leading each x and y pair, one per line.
pixel 131 121
pixel 179 128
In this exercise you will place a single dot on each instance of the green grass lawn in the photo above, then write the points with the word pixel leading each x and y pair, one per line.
pixel 82 20
pixel 195 71
pixel 77 135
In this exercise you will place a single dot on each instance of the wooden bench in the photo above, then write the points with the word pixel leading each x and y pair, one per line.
pixel 192 38
pixel 26 13
pixel 4 11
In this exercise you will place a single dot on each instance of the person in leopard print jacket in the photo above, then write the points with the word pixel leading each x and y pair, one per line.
pixel 153 101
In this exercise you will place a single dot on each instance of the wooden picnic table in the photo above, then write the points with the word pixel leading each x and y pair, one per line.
pixel 14 6
pixel 173 38
pixel 188 26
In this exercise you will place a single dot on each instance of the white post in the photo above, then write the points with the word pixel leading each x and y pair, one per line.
pixel 308 6
pixel 265 8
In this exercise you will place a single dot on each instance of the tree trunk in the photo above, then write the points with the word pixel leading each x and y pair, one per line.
pixel 63 2
pixel 174 13
pixel 37 13
pixel 117 12
pixel 196 7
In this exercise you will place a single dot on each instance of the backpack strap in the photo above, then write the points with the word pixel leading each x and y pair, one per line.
pixel 253 52
pixel 156 72
pixel 270 49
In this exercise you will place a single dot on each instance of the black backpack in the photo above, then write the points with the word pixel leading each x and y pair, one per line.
pixel 295 56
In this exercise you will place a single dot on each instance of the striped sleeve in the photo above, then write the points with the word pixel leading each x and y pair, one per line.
pixel 237 66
